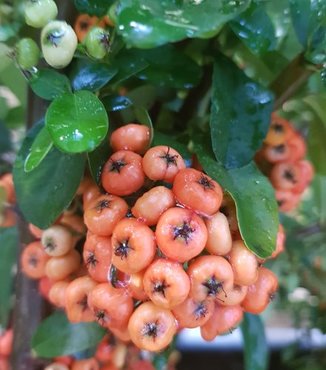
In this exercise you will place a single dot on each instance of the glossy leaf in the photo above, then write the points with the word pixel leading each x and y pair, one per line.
pixel 93 7
pixel 115 103
pixel 308 18
pixel 254 197
pixel 56 336
pixel 97 158
pixel 77 122
pixel 317 132
pixel 128 64
pixel 40 148
pixel 144 118
pixel 5 140
pixel 8 256
pixel 88 75
pixel 240 114
pixel 256 352
pixel 150 23
pixel 170 67
pixel 49 84
pixel 45 192
pixel 256 29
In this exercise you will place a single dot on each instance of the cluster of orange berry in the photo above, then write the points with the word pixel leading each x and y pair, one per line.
pixel 162 251
pixel 284 151
pixel 111 355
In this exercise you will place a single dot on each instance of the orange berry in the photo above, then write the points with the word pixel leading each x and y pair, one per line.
pixel 103 213
pixel 131 137
pixel 162 163
pixel 180 234
pixel 123 174
pixel 210 277
pixel 197 191
pixel 223 320
pixel 219 240
pixel 133 246
pixel 152 328
pixel 34 260
pixel 166 283
pixel 76 299
pixel 150 206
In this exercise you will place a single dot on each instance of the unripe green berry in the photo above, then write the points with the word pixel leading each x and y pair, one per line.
pixel 97 42
pixel 39 12
pixel 59 42
pixel 27 53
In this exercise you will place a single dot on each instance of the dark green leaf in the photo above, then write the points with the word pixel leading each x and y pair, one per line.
pixel 39 149
pixel 77 122
pixel 170 67
pixel 254 197
pixel 240 114
pixel 93 7
pixel 16 117
pixel 97 158
pixel 317 132
pixel 8 256
pixel 144 118
pixel 256 29
pixel 144 96
pixel 45 192
pixel 150 23
pixel 128 63
pixel 56 336
pixel 114 103
pixel 88 75
pixel 256 352
pixel 49 84
pixel 309 21
pixel 5 139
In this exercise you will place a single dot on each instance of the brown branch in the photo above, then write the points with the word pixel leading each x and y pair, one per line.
pixel 289 81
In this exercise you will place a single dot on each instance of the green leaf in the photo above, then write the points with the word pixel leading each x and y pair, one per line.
pixel 115 103
pixel 256 29
pixel 8 256
pixel 256 354
pixel 49 84
pixel 169 67
pixel 93 7
pixel 309 21
pixel 77 122
pixel 5 139
pixel 307 17
pixel 257 210
pixel 317 132
pixel 150 23
pixel 40 148
pixel 128 63
pixel 97 158
pixel 144 118
pixel 240 114
pixel 45 192
pixel 89 75
pixel 16 117
pixel 56 336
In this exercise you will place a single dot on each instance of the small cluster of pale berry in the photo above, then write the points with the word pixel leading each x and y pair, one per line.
pixel 282 158
pixel 58 39
pixel 162 251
